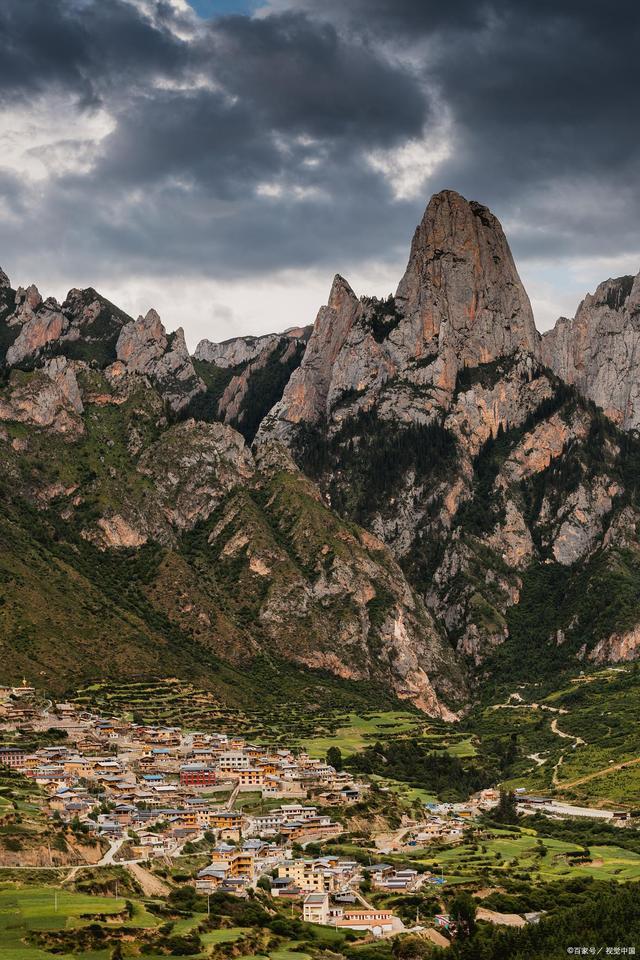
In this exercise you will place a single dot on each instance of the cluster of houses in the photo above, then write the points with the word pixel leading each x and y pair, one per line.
pixel 154 789
pixel 149 791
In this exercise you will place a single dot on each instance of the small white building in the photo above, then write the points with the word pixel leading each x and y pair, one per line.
pixel 315 908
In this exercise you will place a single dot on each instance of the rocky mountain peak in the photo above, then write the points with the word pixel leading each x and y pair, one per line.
pixel 461 289
pixel 459 304
pixel 340 293
pixel 305 397
pixel 144 348
pixel 4 280
pixel 141 341
pixel 599 349
pixel 30 296
pixel 242 350
pixel 612 293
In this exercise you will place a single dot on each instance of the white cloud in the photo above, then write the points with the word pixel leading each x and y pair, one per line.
pixel 408 168
pixel 31 143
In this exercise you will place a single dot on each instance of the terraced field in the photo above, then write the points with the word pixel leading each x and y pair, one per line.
pixel 580 741
pixel 525 854
pixel 287 705
pixel 166 702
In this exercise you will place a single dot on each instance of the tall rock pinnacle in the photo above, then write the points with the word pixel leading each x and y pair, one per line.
pixel 461 292
pixel 305 397
pixel 460 303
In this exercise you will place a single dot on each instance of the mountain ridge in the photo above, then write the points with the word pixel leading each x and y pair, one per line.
pixel 418 464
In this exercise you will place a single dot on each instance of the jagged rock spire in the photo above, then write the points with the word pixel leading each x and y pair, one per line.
pixel 461 290
pixel 305 397
pixel 460 303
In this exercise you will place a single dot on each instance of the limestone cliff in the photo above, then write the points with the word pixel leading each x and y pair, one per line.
pixel 144 348
pixel 599 350
pixel 242 350
pixel 460 303
pixel 433 492
pixel 88 328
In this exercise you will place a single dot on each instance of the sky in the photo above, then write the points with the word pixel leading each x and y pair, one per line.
pixel 221 160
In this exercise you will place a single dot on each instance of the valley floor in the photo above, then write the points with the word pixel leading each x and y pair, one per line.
pixel 425 826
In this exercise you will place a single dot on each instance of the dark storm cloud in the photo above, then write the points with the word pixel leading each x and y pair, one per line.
pixel 241 144
pixel 542 92
pixel 301 75
pixel 273 78
pixel 204 113
pixel 84 47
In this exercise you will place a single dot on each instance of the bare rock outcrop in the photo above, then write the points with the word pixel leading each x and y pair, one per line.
pixel 617 648
pixel 144 348
pixel 461 295
pixel 240 350
pixel 47 397
pixel 40 323
pixel 599 349
pixel 459 304
pixel 193 466
pixel 305 397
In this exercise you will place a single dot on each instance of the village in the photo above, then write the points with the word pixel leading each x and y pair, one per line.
pixel 151 792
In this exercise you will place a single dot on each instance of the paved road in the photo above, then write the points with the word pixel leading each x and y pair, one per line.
pixel 566 810
pixel 111 852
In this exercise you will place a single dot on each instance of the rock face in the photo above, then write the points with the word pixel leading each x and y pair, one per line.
pixel 193 466
pixel 461 294
pixel 50 397
pixel 88 328
pixel 40 323
pixel 241 350
pixel 305 397
pixel 599 350
pixel 143 348
pixel 246 376
pixel 85 327
pixel 232 406
pixel 459 304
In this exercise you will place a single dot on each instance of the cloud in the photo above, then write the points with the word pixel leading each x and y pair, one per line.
pixel 140 140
